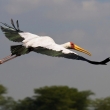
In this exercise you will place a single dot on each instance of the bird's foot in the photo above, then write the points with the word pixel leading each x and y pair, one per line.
pixel 1 61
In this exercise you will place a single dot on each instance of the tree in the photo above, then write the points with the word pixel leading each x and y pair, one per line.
pixel 101 104
pixel 56 98
pixel 6 103
pixel 26 104
pixel 2 98
pixel 3 90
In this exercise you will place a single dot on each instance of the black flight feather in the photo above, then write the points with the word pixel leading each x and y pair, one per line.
pixel 13 24
pixel 17 23
pixel 11 32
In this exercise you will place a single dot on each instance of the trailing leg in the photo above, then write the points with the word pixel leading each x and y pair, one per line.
pixel 10 57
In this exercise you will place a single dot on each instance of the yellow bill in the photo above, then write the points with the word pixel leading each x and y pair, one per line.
pixel 81 50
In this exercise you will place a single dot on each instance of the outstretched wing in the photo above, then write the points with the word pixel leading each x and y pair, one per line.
pixel 12 33
pixel 55 50
pixel 15 34
pixel 59 51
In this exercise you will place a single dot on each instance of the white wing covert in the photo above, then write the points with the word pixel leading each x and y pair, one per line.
pixel 54 50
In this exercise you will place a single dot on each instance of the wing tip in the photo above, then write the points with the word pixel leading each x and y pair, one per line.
pixel 2 28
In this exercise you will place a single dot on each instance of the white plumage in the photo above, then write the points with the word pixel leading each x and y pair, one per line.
pixel 41 44
pixel 32 40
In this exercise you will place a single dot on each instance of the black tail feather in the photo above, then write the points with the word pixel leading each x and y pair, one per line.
pixel 19 50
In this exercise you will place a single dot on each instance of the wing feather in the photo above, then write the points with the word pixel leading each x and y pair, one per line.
pixel 55 51
pixel 61 53
pixel 15 34
pixel 12 33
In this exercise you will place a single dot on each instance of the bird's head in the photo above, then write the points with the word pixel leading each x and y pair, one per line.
pixel 71 45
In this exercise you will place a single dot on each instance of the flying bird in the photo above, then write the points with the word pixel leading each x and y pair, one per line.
pixel 41 44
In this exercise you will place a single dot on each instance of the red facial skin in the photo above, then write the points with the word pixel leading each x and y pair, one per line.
pixel 72 45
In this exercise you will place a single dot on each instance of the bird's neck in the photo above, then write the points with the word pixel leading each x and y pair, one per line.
pixel 65 45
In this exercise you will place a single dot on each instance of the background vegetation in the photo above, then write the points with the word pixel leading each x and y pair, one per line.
pixel 54 98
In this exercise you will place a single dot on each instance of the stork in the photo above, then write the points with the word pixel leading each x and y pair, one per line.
pixel 41 44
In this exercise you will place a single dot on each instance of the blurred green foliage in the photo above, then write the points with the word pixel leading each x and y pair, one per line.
pixel 101 103
pixel 54 98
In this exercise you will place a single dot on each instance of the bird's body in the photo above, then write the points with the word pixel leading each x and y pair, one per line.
pixel 41 44
pixel 44 42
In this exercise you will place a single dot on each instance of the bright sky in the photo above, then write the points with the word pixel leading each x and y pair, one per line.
pixel 84 22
